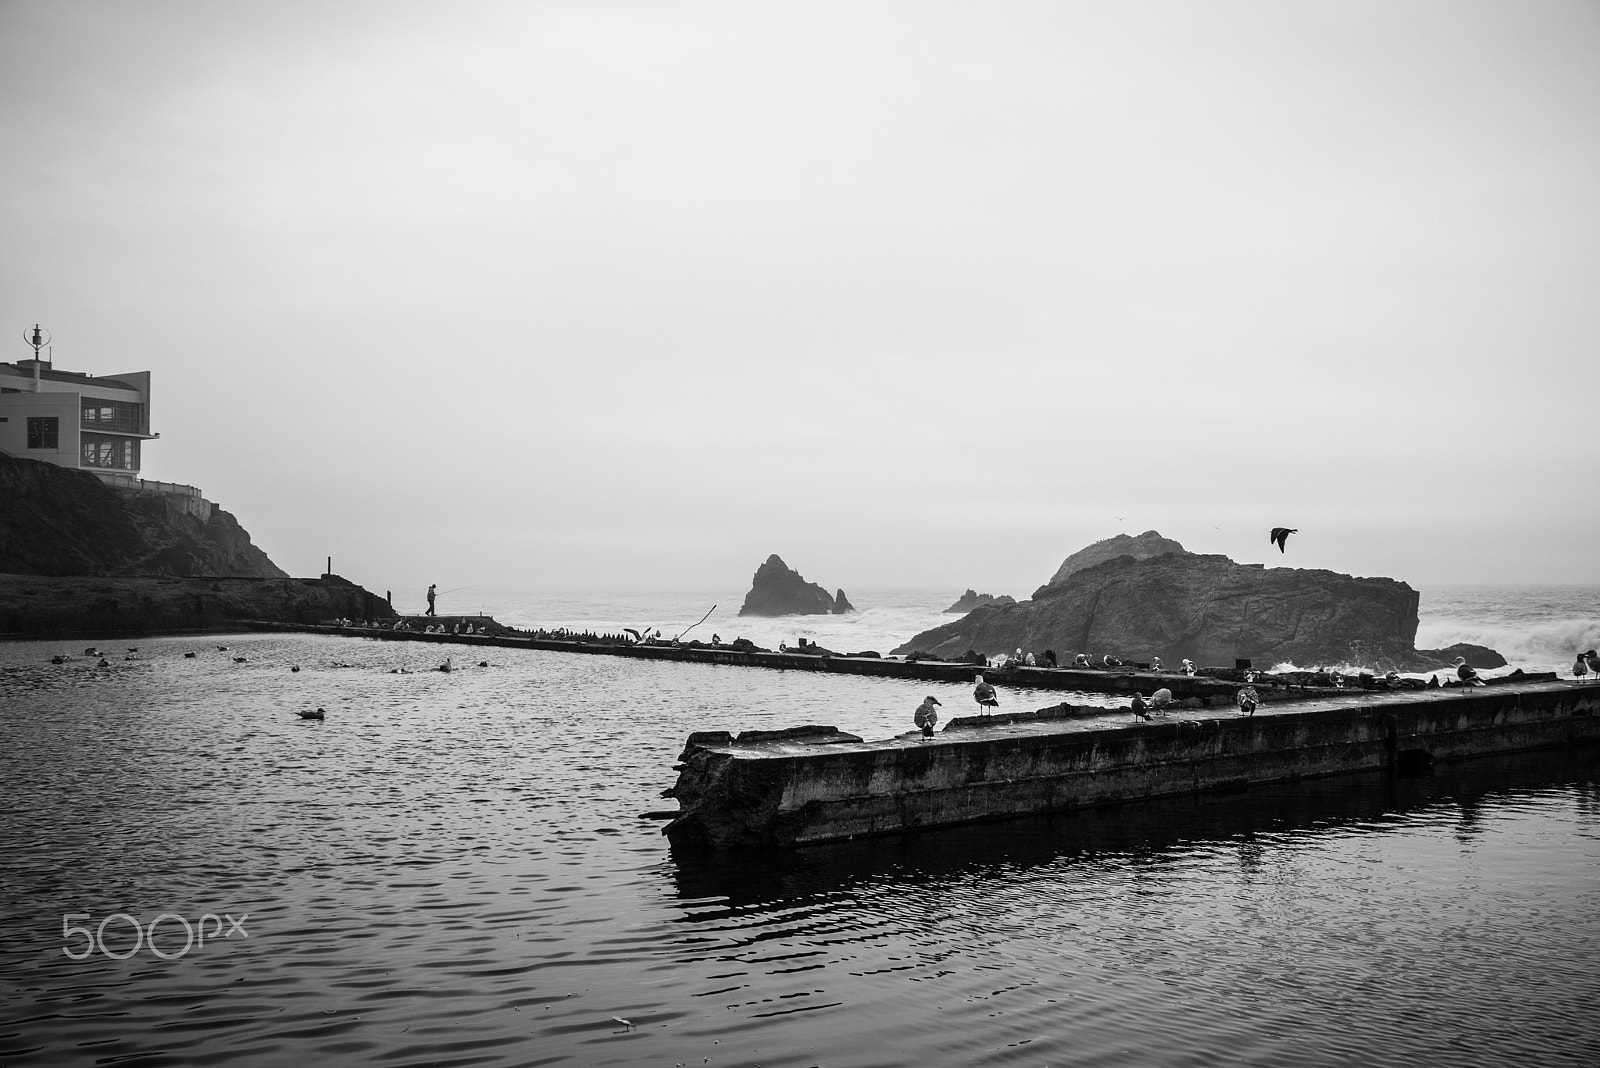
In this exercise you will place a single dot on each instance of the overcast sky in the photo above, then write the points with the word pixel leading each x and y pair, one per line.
pixel 934 294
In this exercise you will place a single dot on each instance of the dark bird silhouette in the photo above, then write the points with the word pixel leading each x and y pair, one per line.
pixel 222 648
pixel 1466 674
pixel 63 660
pixel 295 668
pixel 984 694
pixel 188 656
pixel 318 714
pixel 1280 535
pixel 239 659
pixel 1138 707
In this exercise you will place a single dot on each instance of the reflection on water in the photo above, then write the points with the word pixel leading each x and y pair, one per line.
pixel 451 870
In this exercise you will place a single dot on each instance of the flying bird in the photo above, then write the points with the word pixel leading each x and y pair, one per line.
pixel 1466 674
pixel 1280 535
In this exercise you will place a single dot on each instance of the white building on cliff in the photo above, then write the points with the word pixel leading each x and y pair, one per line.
pixel 76 420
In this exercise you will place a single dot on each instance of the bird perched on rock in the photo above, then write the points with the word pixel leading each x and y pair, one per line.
pixel 1593 660
pixel 318 714
pixel 1161 699
pixel 1248 700
pixel 1188 666
pixel 1110 661
pixel 984 694
pixel 1580 666
pixel 1155 664
pixel 1139 707
pixel 925 716
pixel 1280 535
pixel 1466 674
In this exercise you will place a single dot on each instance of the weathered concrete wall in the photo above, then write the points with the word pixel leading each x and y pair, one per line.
pixel 793 792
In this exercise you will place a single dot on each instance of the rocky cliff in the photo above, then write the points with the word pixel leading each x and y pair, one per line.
pixel 1206 608
pixel 55 521
pixel 973 599
pixel 78 557
pixel 777 590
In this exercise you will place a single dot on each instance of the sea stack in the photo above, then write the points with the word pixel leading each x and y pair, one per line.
pixel 778 590
pixel 973 599
pixel 841 604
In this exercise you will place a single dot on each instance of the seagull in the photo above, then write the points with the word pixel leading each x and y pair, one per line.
pixel 1110 661
pixel 295 668
pixel 1139 707
pixel 1155 664
pixel 1188 666
pixel 1161 699
pixel 1466 674
pixel 1248 700
pixel 984 694
pixel 1593 660
pixel 188 656
pixel 240 659
pixel 1280 535
pixel 318 714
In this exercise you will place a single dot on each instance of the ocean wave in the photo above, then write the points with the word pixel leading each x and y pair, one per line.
pixel 1550 645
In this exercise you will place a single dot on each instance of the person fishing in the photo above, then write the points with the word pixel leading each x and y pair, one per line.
pixel 432 587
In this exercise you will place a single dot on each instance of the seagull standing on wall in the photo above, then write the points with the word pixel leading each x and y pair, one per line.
pixel 1466 674
pixel 1593 660
pixel 984 694
pixel 1280 535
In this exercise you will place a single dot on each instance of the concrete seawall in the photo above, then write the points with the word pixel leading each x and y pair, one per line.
pixel 1113 681
pixel 810 785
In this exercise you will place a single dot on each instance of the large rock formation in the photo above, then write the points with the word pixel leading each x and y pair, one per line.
pixel 1206 608
pixel 973 599
pixel 56 521
pixel 1143 547
pixel 776 590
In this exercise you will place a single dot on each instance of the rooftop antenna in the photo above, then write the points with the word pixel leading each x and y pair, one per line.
pixel 38 340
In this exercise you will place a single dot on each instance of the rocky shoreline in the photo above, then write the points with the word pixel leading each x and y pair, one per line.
pixel 58 606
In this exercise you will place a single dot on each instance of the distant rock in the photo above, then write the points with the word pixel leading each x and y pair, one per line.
pixel 1143 547
pixel 1209 609
pixel 973 599
pixel 841 604
pixel 1479 656
pixel 776 590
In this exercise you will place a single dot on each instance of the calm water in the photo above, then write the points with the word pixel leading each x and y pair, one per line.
pixel 451 870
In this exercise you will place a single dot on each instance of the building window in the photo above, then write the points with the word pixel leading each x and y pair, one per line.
pixel 44 432
pixel 114 415
pixel 98 450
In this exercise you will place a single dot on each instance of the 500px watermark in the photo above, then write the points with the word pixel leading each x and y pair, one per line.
pixel 145 934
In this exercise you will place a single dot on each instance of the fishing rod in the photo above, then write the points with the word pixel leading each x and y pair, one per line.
pixel 703 618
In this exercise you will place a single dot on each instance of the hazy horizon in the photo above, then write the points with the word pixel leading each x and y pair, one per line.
pixel 573 295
